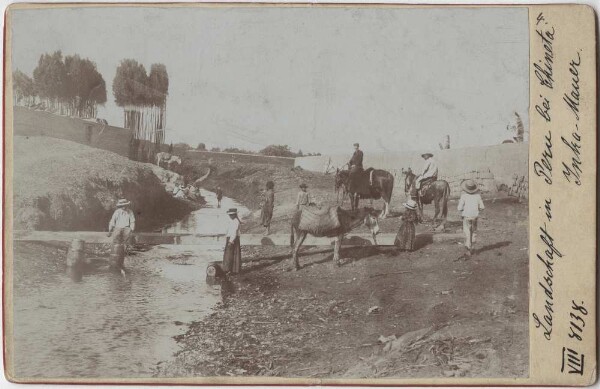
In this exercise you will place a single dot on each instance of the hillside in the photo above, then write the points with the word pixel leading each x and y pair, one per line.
pixel 64 185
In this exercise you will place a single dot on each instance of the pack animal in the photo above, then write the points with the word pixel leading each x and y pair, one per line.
pixel 375 184
pixel 437 192
pixel 330 222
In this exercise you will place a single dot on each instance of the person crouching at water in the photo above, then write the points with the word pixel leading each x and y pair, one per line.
pixel 122 223
pixel 232 256
pixel 268 203
pixel 405 238
pixel 470 204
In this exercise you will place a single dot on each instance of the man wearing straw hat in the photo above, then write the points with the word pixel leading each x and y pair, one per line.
pixel 470 204
pixel 429 173
pixel 122 223
pixel 232 256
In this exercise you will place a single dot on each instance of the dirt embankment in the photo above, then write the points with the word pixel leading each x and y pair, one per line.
pixel 244 183
pixel 62 185
pixel 429 313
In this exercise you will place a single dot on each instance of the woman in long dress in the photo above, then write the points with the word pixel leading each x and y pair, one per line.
pixel 267 207
pixel 232 256
pixel 405 239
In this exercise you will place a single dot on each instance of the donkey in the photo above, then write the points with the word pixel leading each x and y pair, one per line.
pixel 348 220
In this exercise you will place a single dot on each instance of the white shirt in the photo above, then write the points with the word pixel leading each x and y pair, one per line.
pixel 233 229
pixel 430 168
pixel 470 204
pixel 122 218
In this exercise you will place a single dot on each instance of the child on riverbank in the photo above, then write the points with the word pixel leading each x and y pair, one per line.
pixel 268 203
pixel 232 255
pixel 405 238
pixel 470 204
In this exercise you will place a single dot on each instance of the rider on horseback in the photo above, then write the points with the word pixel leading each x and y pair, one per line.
pixel 429 174
pixel 355 165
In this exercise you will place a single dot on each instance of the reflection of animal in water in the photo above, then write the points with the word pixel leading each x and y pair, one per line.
pixel 438 192
pixel 374 184
pixel 329 222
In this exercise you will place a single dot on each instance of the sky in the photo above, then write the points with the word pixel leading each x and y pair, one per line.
pixel 317 79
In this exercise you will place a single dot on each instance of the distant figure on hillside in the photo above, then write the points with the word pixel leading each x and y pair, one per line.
pixel 268 203
pixel 355 166
pixel 429 173
pixel 122 223
pixel 232 255
pixel 219 193
pixel 303 197
pixel 470 204
pixel 405 238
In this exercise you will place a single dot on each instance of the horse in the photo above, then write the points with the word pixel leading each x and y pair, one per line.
pixel 162 157
pixel 348 220
pixel 380 186
pixel 438 193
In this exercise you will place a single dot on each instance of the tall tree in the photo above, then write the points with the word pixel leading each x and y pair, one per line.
pixel 49 78
pixel 23 89
pixel 143 98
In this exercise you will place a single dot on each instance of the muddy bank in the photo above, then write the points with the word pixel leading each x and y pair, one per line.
pixel 428 313
pixel 61 185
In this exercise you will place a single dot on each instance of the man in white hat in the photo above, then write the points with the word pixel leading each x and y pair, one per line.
pixel 429 173
pixel 122 222
pixel 470 204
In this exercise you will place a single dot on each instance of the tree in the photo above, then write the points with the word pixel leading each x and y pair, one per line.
pixel 50 79
pixel 85 87
pixel 201 147
pixel 23 88
pixel 143 98
pixel 278 151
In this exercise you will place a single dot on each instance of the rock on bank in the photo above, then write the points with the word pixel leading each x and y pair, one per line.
pixel 62 185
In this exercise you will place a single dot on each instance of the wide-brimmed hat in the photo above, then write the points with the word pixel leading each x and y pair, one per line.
pixel 469 186
pixel 410 204
pixel 356 145
pixel 303 185
pixel 232 211
pixel 123 202
pixel 425 155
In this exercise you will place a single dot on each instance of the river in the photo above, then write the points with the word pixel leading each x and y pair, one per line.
pixel 108 325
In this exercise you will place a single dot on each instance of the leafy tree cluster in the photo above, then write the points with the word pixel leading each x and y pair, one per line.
pixel 71 85
pixel 143 97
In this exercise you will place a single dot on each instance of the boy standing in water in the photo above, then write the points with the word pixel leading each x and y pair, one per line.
pixel 470 204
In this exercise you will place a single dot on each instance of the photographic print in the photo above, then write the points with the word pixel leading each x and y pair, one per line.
pixel 255 193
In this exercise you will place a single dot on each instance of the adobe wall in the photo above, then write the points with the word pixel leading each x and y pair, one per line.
pixel 490 166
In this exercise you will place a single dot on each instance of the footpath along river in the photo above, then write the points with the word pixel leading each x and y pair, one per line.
pixel 107 325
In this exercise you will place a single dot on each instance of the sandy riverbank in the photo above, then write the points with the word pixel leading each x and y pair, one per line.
pixel 463 318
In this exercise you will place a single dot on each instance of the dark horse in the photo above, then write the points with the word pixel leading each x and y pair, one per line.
pixel 438 192
pixel 376 184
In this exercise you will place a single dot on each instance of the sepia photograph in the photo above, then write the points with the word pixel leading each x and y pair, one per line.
pixel 271 191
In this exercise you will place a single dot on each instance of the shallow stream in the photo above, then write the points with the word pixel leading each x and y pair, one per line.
pixel 109 325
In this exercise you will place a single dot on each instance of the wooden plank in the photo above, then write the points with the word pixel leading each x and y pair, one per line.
pixel 386 239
